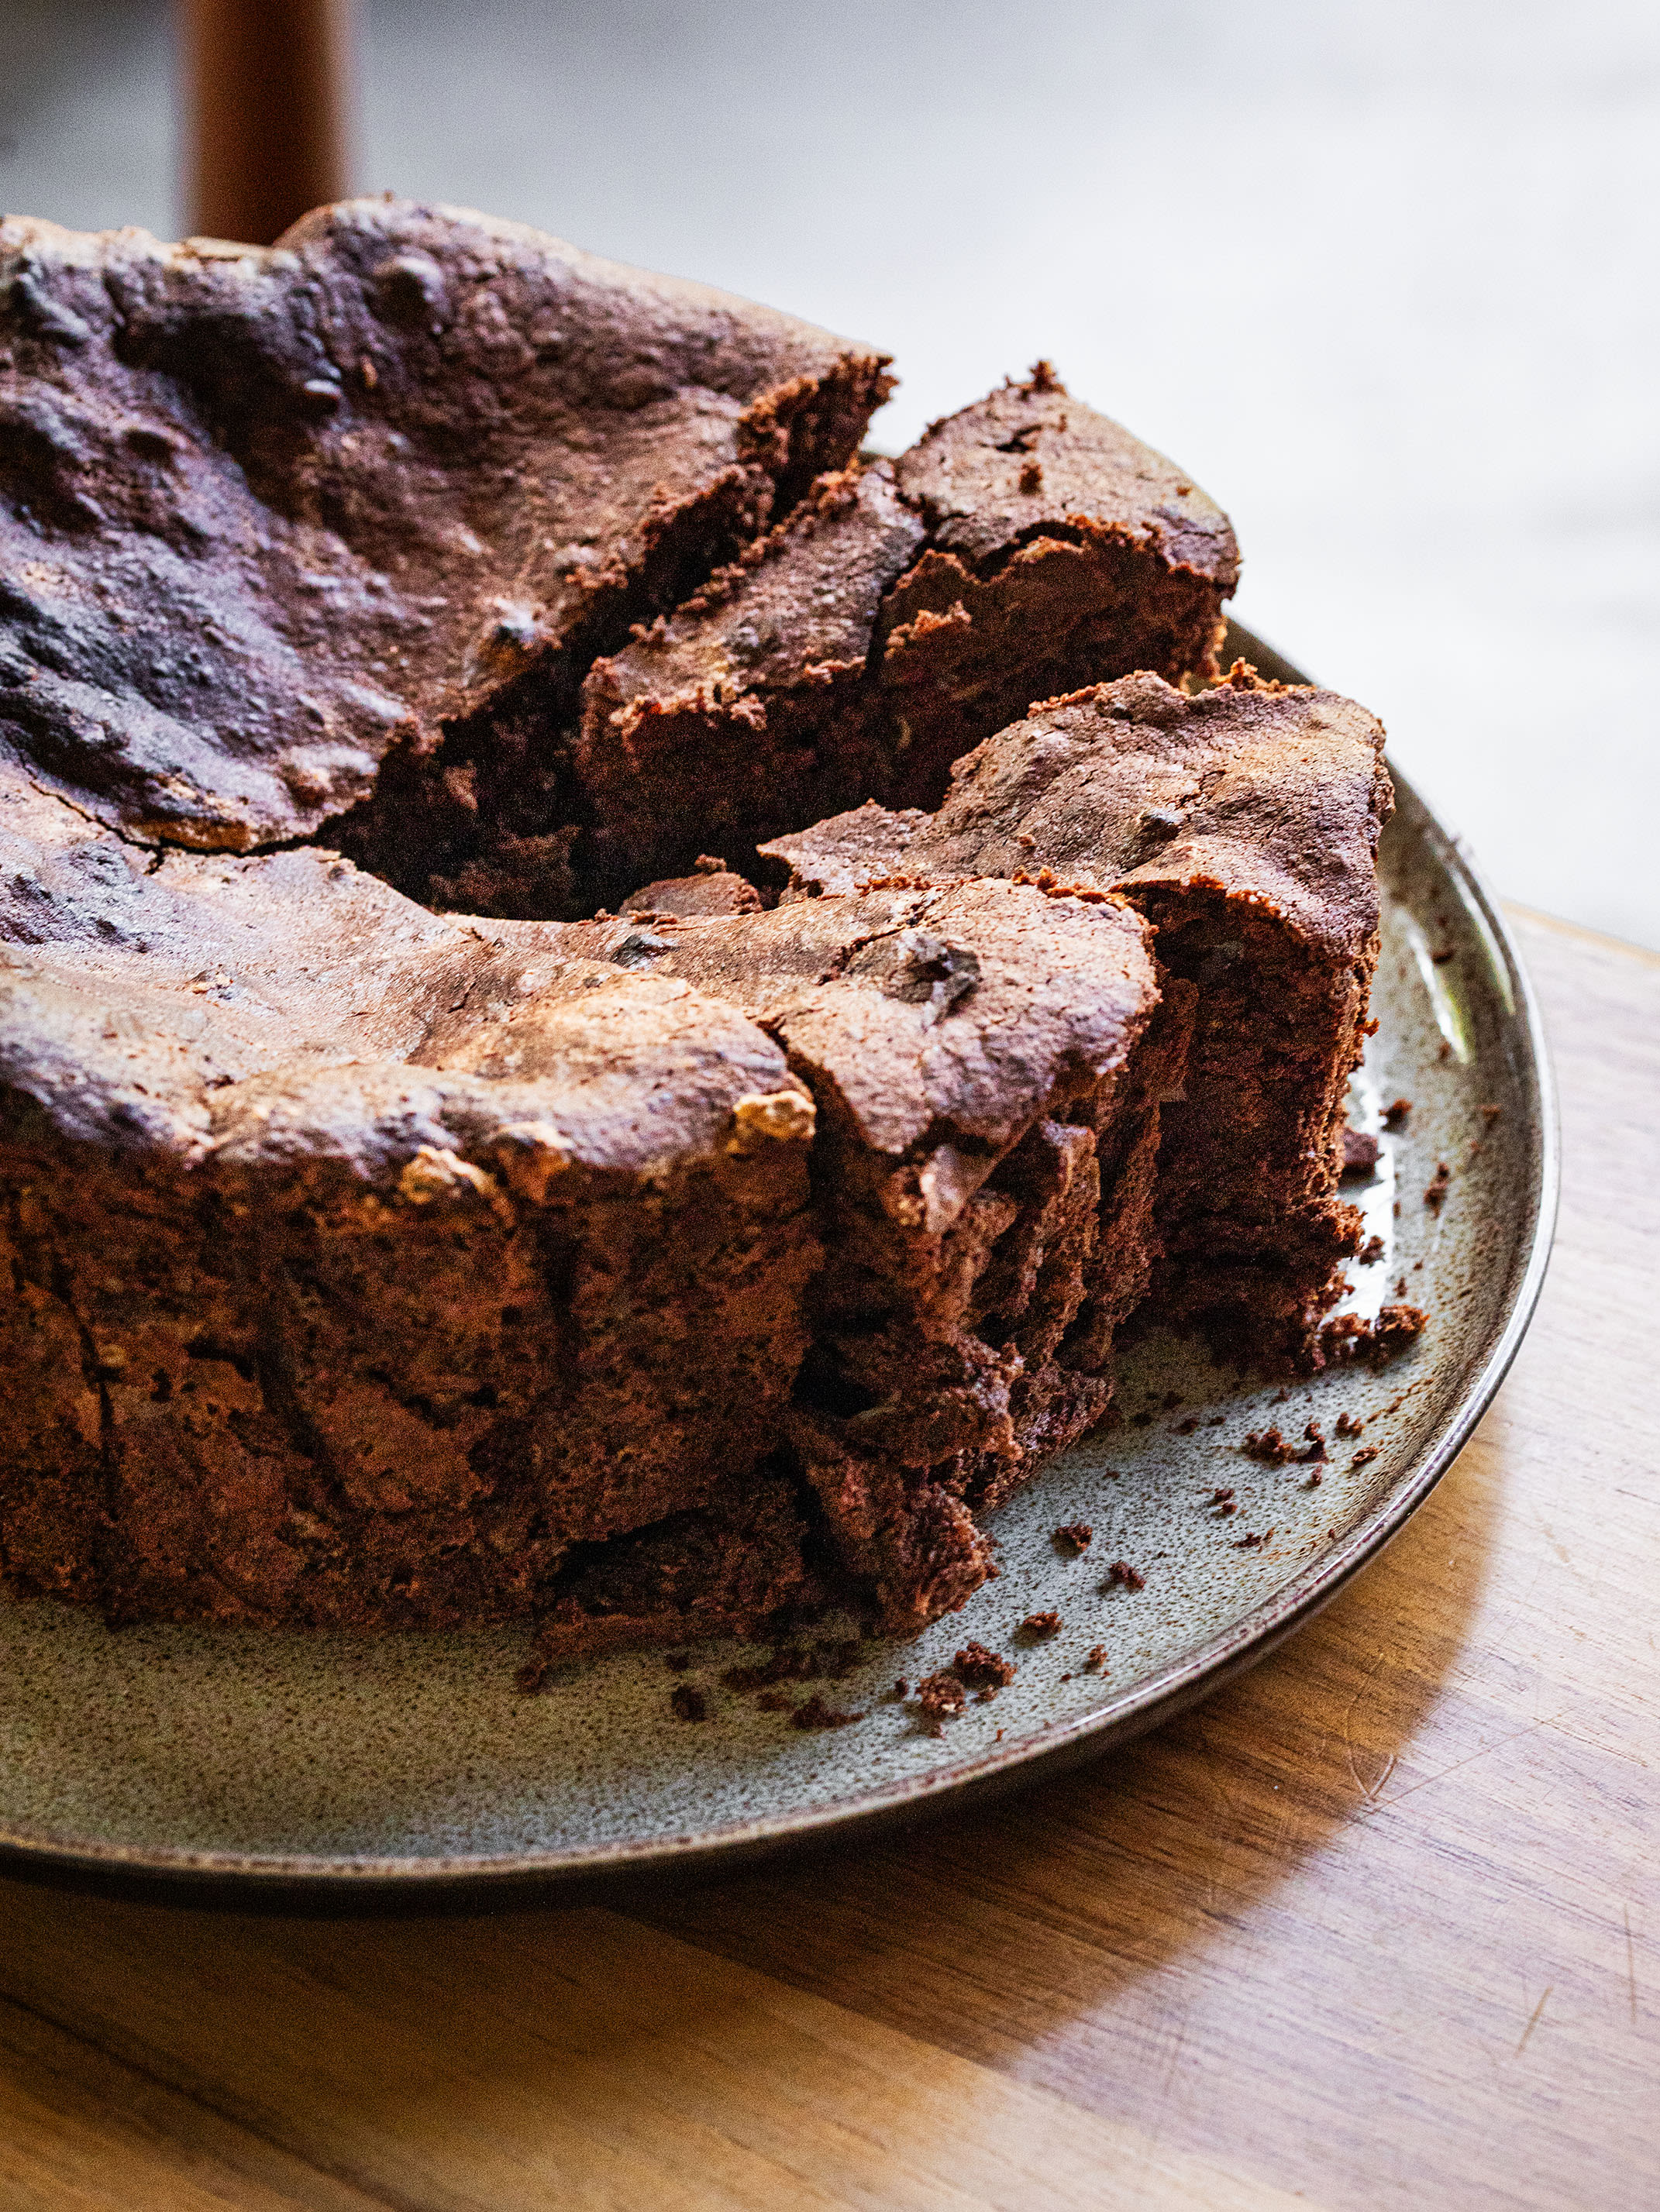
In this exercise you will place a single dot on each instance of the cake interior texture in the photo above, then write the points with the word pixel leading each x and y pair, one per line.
pixel 610 1005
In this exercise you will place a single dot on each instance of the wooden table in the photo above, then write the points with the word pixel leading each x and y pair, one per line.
pixel 1378 1926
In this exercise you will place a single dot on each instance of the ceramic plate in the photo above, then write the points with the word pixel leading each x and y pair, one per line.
pixel 411 1761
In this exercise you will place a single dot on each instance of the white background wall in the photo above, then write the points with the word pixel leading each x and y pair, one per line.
pixel 1386 278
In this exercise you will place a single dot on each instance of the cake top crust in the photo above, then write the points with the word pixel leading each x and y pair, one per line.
pixel 267 509
pixel 1269 793
pixel 286 1008
pixel 1029 461
pixel 934 1014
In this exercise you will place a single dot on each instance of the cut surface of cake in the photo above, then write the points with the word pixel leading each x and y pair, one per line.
pixel 1243 824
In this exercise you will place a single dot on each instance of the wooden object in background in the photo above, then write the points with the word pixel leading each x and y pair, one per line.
pixel 266 99
pixel 1376 1929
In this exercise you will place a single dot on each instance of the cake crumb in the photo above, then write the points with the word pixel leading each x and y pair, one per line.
pixel 687 1704
pixel 1396 1112
pixel 1365 1458
pixel 816 1714
pixel 1435 1191
pixel 1360 1155
pixel 1347 1425
pixel 1349 1337
pixel 1095 1661
pixel 677 1661
pixel 1373 1249
pixel 941 1697
pixel 1074 1537
pixel 1250 1540
pixel 1122 1575
pixel 1037 1625
pixel 773 1701
pixel 1267 1446
pixel 978 1668
pixel 902 1688
pixel 1490 1114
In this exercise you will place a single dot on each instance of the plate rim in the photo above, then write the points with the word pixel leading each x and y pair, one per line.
pixel 170 1869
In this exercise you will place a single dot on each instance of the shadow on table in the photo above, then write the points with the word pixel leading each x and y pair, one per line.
pixel 983 1935
pixel 986 1932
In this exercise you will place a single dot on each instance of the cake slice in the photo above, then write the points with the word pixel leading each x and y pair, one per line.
pixel 746 711
pixel 1061 552
pixel 900 615
pixel 987 1064
pixel 1243 824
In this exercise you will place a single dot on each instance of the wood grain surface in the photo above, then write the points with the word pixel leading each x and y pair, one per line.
pixel 1376 1926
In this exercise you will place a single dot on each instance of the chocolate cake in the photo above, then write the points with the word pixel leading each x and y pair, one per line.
pixel 399 1237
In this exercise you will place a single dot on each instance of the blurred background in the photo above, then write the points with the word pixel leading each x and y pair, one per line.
pixel 1385 279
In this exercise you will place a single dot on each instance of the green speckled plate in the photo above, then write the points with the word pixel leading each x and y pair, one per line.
pixel 406 1761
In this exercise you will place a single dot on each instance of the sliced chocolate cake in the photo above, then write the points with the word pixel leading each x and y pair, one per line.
pixel 1061 550
pixel 399 1238
pixel 748 709
pixel 896 616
